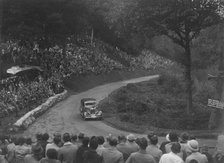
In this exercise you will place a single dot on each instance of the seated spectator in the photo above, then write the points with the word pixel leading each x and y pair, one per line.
pixel 54 144
pixel 91 156
pixel 172 157
pixel 123 147
pixel 162 146
pixel 67 153
pixel 81 150
pixel 111 154
pixel 100 147
pixel 52 156
pixel 141 156
pixel 153 149
pixel 36 156
pixel 195 155
pixel 132 146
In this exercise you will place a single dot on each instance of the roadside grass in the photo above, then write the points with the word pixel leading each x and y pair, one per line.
pixel 134 112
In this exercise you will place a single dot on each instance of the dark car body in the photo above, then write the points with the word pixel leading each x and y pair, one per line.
pixel 88 109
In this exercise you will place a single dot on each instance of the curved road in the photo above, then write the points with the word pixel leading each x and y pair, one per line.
pixel 65 117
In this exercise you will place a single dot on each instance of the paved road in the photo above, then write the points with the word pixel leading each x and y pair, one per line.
pixel 65 117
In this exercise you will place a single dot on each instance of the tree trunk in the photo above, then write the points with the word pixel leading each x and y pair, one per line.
pixel 188 80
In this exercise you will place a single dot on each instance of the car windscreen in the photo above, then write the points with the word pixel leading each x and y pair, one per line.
pixel 90 103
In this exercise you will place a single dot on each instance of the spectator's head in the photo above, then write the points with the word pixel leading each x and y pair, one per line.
pixel 113 141
pixel 93 144
pixel 153 140
pixel 28 141
pixel 81 136
pixel 21 140
pixel 37 151
pixel 39 137
pixel 168 137
pixel 175 148
pixel 131 138
pixel 85 141
pixel 193 161
pixel 74 138
pixel 143 143
pixel 52 154
pixel 192 137
pixel 193 145
pixel 66 137
pixel 56 140
pixel 100 140
pixel 173 137
pixel 150 134
pixel 45 137
pixel 122 139
pixel 184 137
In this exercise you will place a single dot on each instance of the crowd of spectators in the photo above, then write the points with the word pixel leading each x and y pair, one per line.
pixel 71 148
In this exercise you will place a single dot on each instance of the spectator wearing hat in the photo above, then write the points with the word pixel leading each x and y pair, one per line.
pixel 153 149
pixel 111 154
pixel 131 144
pixel 52 156
pixel 172 156
pixel 123 147
pixel 36 156
pixel 195 155
pixel 141 156
pixel 91 156
pixel 81 150
pixel 162 146
pixel 67 153
pixel 100 147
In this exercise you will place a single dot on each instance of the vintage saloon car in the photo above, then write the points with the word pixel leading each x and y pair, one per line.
pixel 88 109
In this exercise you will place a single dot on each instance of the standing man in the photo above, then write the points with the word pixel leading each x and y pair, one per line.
pixel 67 153
pixel 141 156
pixel 111 154
pixel 172 157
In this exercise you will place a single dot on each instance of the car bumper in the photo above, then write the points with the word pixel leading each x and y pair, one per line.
pixel 93 117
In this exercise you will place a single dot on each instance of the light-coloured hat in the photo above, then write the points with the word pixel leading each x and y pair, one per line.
pixel 168 137
pixel 131 137
pixel 193 145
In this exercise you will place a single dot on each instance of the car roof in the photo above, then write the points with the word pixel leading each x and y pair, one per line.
pixel 88 99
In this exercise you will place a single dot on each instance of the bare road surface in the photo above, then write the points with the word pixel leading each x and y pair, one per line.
pixel 65 117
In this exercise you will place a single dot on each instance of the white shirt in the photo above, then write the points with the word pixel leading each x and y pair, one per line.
pixel 52 146
pixel 171 158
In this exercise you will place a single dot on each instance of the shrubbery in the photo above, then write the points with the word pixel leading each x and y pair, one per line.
pixel 160 104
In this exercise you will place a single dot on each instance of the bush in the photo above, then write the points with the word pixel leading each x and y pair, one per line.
pixel 160 104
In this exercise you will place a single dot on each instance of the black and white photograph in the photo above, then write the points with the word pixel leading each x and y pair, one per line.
pixel 111 81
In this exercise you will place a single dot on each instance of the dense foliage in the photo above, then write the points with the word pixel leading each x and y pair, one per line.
pixel 160 104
